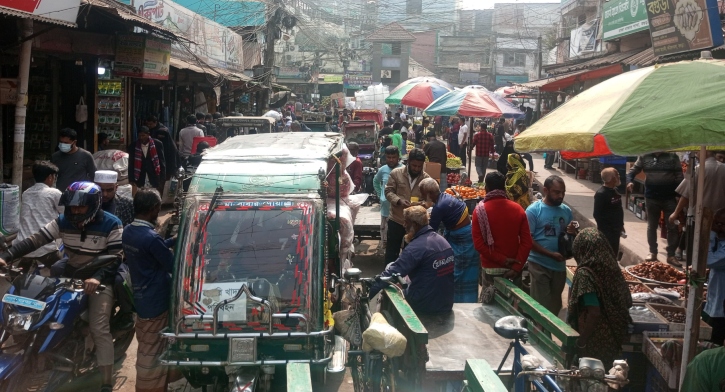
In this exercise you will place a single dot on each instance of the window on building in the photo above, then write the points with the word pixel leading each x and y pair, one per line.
pixel 395 48
pixel 386 49
pixel 514 59
pixel 395 77
pixel 414 7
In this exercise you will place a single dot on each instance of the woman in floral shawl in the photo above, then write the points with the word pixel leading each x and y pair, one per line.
pixel 599 299
pixel 517 181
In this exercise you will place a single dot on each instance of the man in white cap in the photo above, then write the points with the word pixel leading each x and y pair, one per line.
pixel 121 207
pixel 112 202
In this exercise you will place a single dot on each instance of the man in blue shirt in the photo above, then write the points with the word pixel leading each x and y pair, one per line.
pixel 716 282
pixel 427 261
pixel 392 160
pixel 151 264
pixel 549 219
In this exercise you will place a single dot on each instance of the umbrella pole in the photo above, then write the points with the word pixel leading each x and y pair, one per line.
pixel 703 220
pixel 470 141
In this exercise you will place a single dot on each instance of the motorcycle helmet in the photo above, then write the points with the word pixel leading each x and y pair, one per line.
pixel 79 194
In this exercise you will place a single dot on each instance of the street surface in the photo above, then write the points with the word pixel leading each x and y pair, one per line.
pixel 579 197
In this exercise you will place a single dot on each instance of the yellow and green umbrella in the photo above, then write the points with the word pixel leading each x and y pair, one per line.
pixel 660 108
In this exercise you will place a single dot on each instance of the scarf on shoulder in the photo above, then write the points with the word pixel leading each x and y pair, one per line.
pixel 138 159
pixel 483 217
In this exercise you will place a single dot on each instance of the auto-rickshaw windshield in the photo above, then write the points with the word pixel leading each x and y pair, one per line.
pixel 265 244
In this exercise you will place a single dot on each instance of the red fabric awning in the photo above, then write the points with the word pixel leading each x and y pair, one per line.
pixel 600 150
pixel 599 73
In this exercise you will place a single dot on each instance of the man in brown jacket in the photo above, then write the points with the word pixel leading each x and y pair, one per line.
pixel 402 192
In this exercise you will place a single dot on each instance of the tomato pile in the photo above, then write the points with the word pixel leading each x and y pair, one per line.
pixel 466 192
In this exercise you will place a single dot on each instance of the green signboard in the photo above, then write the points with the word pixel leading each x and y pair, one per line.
pixel 624 17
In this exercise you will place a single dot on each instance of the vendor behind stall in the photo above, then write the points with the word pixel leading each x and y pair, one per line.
pixel 454 216
pixel 428 262
pixel 599 300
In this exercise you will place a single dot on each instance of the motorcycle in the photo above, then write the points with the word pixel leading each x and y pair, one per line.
pixel 46 337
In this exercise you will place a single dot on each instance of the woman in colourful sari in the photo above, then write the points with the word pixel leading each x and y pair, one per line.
pixel 454 216
pixel 517 181
pixel 599 299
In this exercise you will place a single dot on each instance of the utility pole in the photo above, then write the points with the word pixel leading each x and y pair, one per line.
pixel 25 26
pixel 270 33
pixel 539 61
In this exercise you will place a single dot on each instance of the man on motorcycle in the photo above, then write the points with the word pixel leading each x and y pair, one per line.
pixel 87 232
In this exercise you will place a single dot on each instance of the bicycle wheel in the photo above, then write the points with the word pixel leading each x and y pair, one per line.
pixel 357 370
pixel 387 375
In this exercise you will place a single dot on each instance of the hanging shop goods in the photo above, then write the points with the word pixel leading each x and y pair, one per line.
pixel 683 25
pixel 110 106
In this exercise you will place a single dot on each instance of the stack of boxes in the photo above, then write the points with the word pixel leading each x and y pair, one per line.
pixel 635 203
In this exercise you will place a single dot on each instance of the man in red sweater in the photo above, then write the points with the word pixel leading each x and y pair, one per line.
pixel 356 168
pixel 501 234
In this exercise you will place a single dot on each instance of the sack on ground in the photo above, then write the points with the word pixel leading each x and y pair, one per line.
pixel 347 325
pixel 383 337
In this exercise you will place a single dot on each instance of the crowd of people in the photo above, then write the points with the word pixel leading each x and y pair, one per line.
pixel 509 229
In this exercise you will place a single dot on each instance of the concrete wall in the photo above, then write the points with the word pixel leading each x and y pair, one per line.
pixel 423 50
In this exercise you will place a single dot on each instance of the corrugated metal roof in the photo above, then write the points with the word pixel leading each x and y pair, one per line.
pixel 392 32
pixel 21 14
pixel 594 63
pixel 206 69
pixel 644 58
pixel 128 13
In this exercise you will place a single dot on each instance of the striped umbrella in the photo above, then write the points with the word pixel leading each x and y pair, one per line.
pixel 660 108
pixel 473 101
pixel 424 79
pixel 417 95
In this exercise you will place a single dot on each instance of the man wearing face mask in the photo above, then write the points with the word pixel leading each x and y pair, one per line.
pixel 402 191
pixel 74 163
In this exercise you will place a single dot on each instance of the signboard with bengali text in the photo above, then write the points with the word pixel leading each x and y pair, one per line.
pixel 683 25
pixel 624 17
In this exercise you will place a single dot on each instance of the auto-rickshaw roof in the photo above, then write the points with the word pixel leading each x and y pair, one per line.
pixel 360 124
pixel 283 146
pixel 243 120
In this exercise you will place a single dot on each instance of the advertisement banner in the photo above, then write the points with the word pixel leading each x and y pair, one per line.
pixel 62 10
pixel 584 39
pixel 624 17
pixel 329 78
pixel 683 25
pixel 140 56
pixel 157 56
pixel 210 42
pixel 129 59
pixel 357 80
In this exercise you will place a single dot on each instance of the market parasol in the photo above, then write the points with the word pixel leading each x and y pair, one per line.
pixel 473 101
pixel 651 109
pixel 424 79
pixel 418 95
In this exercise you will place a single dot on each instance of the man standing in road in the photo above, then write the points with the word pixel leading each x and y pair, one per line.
pixel 392 161
pixel 39 207
pixel 171 152
pixel 149 166
pixel 547 266
pixel 501 235
pixel 187 135
pixel 74 163
pixel 436 152
pixel 463 140
pixel 664 174
pixel 500 133
pixel 453 145
pixel 151 264
pixel 355 169
pixel 608 211
pixel 484 144
pixel 402 191
pixel 112 202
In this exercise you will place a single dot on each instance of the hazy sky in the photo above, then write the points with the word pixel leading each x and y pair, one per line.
pixel 483 4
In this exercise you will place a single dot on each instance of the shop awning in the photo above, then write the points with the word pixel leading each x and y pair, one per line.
pixel 38 18
pixel 559 82
pixel 128 13
pixel 202 68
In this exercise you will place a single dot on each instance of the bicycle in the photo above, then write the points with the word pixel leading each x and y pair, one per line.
pixel 589 376
pixel 371 371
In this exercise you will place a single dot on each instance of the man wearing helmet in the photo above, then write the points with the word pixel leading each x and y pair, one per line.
pixel 87 232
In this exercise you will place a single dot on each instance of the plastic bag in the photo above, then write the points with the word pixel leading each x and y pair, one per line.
pixel 651 298
pixel 347 325
pixel 383 337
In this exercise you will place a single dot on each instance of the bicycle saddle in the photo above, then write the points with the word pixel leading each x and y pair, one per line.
pixel 511 327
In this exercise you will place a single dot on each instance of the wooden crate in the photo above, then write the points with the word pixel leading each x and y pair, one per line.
pixel 651 347
pixel 705 330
